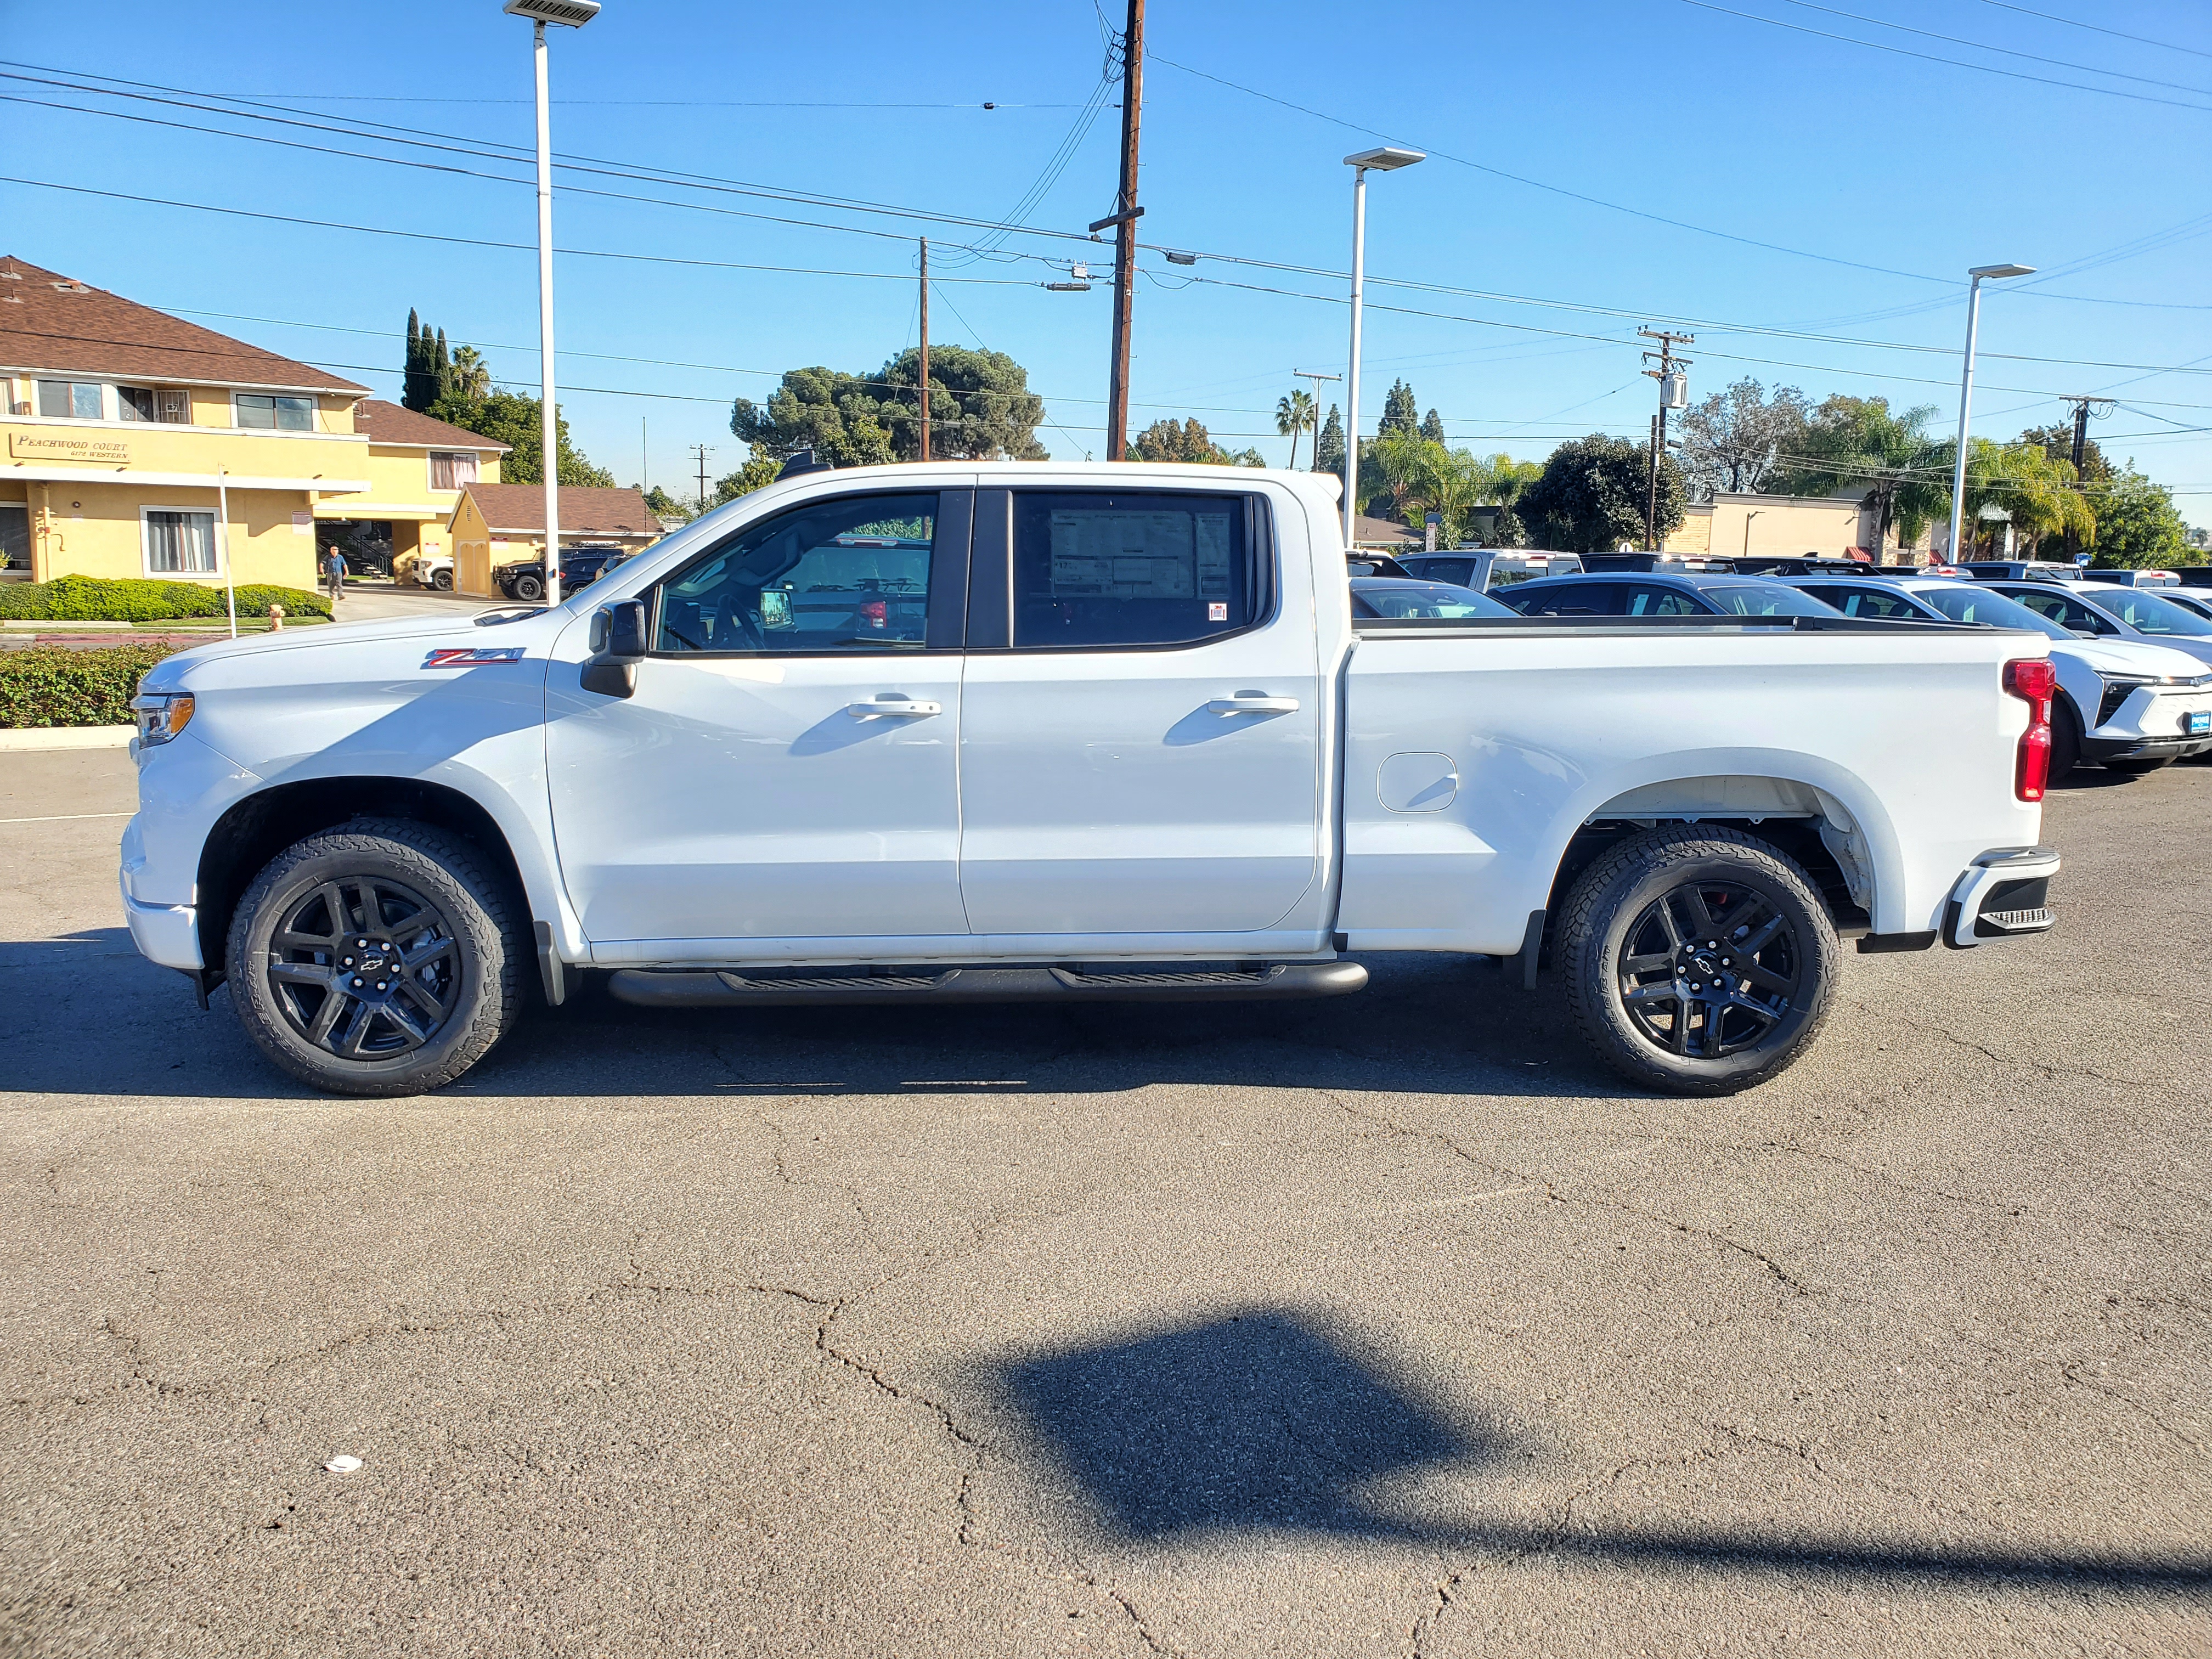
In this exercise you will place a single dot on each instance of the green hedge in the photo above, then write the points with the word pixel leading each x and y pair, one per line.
pixel 91 599
pixel 49 685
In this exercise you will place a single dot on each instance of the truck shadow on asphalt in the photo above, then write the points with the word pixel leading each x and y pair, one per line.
pixel 92 1017
pixel 1263 1421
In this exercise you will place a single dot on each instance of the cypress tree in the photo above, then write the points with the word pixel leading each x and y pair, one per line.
pixel 1328 448
pixel 1399 409
pixel 1432 427
pixel 410 375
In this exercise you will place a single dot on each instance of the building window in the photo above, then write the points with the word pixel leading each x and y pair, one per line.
pixel 452 471
pixel 179 543
pixel 135 403
pixel 77 400
pixel 275 414
pixel 15 536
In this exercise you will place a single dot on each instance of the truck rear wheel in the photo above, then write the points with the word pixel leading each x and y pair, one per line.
pixel 1696 961
pixel 381 959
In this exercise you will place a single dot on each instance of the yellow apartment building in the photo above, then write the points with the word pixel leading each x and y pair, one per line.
pixel 418 469
pixel 505 523
pixel 138 444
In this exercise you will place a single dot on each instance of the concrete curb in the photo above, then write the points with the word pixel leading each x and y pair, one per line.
pixel 66 737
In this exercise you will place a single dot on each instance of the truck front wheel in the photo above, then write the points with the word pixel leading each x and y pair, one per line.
pixel 1697 960
pixel 382 957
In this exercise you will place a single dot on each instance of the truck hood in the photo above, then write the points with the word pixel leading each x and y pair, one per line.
pixel 457 629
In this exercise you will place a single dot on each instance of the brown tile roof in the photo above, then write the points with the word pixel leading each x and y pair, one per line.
pixel 583 511
pixel 49 321
pixel 388 423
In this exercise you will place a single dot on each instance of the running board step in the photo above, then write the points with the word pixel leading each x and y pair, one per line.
pixel 722 988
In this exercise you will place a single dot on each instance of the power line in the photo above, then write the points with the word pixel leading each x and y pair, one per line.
pixel 1956 63
pixel 1984 46
pixel 2095 28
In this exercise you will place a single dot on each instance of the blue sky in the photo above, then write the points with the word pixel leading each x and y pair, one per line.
pixel 1563 139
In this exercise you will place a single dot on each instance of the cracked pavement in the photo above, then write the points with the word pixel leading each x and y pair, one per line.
pixel 1388 1326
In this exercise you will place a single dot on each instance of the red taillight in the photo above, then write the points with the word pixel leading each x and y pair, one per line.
pixel 2034 682
pixel 875 613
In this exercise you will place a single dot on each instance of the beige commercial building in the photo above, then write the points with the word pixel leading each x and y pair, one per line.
pixel 1733 526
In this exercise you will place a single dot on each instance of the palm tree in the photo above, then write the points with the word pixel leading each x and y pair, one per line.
pixel 1861 443
pixel 1294 415
pixel 470 374
pixel 1402 457
pixel 1450 483
pixel 2036 490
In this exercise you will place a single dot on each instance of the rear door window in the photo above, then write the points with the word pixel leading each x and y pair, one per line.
pixel 1649 599
pixel 1093 569
pixel 1869 602
pixel 1578 597
pixel 2062 608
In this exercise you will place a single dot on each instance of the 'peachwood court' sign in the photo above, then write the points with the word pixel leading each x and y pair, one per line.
pixel 69 447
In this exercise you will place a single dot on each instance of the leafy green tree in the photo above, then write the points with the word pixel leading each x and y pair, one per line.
pixel 1591 497
pixel 1399 409
pixel 1432 427
pixel 1328 446
pixel 981 407
pixel 1190 442
pixel 1293 415
pixel 759 471
pixel 662 505
pixel 2138 527
pixel 834 414
pixel 2020 480
pixel 513 419
pixel 1862 444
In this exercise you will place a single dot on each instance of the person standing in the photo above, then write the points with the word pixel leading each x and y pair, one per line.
pixel 336 574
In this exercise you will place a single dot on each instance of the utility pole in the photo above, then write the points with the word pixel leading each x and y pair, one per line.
pixel 924 375
pixel 1123 219
pixel 1309 374
pixel 1673 394
pixel 701 452
pixel 644 460
pixel 2081 411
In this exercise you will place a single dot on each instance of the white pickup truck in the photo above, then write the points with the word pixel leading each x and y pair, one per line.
pixel 988 732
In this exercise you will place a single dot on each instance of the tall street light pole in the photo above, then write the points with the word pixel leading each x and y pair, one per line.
pixel 572 14
pixel 1966 391
pixel 1388 158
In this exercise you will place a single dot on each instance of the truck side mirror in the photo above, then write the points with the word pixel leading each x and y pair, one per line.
pixel 617 646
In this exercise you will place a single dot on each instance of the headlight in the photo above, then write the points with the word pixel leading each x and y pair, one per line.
pixel 162 715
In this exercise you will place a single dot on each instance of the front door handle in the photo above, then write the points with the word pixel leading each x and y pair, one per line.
pixel 894 706
pixel 1243 704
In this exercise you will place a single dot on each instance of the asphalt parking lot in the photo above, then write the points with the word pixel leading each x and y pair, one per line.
pixel 1388 1326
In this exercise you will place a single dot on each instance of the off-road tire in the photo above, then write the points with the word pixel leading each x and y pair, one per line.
pixel 529 589
pixel 490 951
pixel 1621 890
pixel 2065 740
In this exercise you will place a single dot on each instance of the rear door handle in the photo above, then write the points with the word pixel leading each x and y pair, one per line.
pixel 1245 705
pixel 897 707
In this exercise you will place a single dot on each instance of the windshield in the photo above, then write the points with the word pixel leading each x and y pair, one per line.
pixel 1432 600
pixel 1983 609
pixel 1763 600
pixel 2149 614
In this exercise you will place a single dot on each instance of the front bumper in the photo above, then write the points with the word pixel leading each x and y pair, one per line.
pixel 2002 895
pixel 168 934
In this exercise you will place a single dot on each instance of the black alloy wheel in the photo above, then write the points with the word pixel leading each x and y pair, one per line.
pixel 1696 959
pixel 365 968
pixel 379 957
pixel 1709 969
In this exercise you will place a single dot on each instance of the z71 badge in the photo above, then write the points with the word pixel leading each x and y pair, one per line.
pixel 461 656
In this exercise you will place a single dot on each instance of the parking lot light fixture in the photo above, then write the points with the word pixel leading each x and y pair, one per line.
pixel 1385 158
pixel 570 13
pixel 1966 387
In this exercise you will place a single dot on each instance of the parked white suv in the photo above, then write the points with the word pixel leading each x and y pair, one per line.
pixel 2124 704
